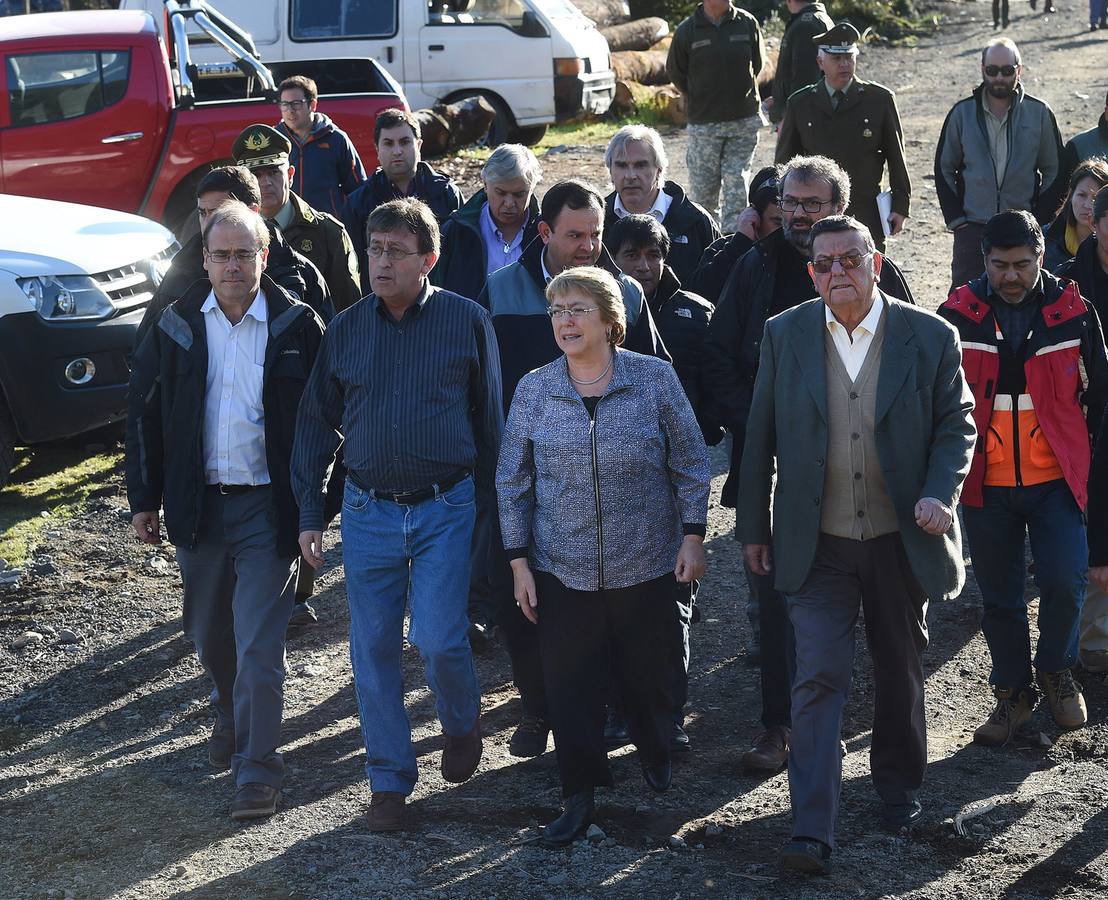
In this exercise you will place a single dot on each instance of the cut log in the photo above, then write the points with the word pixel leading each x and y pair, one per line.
pixel 640 34
pixel 623 102
pixel 643 66
pixel 604 12
pixel 769 67
pixel 447 127
pixel 663 44
pixel 632 98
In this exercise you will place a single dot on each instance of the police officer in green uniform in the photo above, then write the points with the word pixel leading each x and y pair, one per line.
pixel 796 60
pixel 855 123
pixel 317 235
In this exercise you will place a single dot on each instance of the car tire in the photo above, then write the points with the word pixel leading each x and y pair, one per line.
pixel 7 444
pixel 530 135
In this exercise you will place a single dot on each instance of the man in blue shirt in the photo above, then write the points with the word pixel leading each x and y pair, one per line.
pixel 410 377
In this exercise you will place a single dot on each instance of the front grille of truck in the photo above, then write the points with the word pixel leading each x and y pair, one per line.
pixel 131 287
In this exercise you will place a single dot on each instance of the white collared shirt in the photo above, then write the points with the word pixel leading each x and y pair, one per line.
pixel 234 420
pixel 547 277
pixel 659 210
pixel 853 346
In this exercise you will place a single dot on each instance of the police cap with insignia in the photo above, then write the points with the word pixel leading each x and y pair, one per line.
pixel 843 38
pixel 261 145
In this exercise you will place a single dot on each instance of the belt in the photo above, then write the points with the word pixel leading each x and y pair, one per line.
pixel 226 489
pixel 411 498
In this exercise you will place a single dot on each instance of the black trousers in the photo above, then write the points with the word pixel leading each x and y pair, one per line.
pixel 967 261
pixel 845 575
pixel 585 636
pixel 777 663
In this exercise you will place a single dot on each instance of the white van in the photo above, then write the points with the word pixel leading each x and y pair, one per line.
pixel 536 61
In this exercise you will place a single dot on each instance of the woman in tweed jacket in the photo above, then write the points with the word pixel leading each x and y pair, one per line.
pixel 603 487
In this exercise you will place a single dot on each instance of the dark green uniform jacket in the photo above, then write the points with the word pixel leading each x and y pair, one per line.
pixel 796 61
pixel 322 239
pixel 716 67
pixel 863 136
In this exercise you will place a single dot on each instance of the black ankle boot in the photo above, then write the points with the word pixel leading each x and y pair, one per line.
pixel 572 823
pixel 658 776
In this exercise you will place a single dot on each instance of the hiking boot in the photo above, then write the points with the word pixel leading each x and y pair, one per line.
pixel 221 747
pixel 462 754
pixel 1013 711
pixel 530 737
pixel 770 751
pixel 1067 704
pixel 387 812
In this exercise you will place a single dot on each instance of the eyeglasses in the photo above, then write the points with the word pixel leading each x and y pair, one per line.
pixel 223 256
pixel 292 104
pixel 395 253
pixel 808 204
pixel 570 312
pixel 1006 71
pixel 824 264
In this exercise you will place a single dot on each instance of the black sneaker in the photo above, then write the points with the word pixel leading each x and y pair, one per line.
pixel 530 737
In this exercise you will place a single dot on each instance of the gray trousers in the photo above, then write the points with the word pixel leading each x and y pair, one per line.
pixel 967 261
pixel 845 575
pixel 236 610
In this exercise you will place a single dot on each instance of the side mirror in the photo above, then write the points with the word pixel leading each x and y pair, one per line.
pixel 532 26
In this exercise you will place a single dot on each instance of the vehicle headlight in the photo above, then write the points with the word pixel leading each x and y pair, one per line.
pixel 65 298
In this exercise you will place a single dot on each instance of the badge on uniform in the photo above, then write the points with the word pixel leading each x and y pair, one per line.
pixel 306 246
pixel 867 133
pixel 684 313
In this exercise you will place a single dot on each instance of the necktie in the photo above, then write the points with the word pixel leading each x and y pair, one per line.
pixel 837 98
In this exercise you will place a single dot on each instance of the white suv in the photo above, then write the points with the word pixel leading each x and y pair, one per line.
pixel 74 283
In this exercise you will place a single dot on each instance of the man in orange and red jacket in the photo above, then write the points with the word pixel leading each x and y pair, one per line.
pixel 1025 337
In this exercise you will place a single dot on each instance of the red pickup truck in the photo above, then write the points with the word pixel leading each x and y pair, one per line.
pixel 96 109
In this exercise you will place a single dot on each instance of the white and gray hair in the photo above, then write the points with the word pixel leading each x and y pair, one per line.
pixel 235 213
pixel 617 146
pixel 510 161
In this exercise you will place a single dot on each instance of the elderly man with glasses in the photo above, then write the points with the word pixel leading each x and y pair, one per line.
pixel 769 279
pixel 861 409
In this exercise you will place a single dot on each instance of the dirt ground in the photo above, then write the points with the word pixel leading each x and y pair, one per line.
pixel 105 789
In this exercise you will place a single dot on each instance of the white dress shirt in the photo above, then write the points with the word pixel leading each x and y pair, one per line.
pixel 234 421
pixel 659 210
pixel 853 346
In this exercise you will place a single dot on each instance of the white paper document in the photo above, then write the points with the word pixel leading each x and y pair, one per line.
pixel 884 210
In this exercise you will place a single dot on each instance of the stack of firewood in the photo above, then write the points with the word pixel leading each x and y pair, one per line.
pixel 639 48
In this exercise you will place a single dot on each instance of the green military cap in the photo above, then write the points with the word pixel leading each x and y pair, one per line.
pixel 843 38
pixel 261 145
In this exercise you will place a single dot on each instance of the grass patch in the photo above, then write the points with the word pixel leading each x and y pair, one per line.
pixel 54 479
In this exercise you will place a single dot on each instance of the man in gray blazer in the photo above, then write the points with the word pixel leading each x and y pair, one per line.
pixel 861 406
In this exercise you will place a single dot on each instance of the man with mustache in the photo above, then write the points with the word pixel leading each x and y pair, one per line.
pixel 770 278
pixel 999 149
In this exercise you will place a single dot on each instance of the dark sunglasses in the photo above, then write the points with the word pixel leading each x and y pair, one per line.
pixel 824 264
pixel 1006 71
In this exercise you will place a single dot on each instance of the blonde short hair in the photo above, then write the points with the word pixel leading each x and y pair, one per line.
pixel 602 287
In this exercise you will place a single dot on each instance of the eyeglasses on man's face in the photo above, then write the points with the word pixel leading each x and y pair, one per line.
pixel 225 256
pixel 1006 71
pixel 393 251
pixel 292 104
pixel 853 260
pixel 808 204
pixel 570 312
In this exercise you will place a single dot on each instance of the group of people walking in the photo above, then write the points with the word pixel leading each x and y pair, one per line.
pixel 514 421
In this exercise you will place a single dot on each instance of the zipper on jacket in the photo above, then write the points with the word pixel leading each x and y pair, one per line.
pixel 1016 437
pixel 596 499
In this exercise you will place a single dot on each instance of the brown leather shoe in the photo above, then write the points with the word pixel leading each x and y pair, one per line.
pixel 254 801
pixel 462 754
pixel 770 751
pixel 387 812
pixel 1013 711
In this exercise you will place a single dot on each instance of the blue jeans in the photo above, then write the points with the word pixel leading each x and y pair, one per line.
pixel 396 555
pixel 1048 514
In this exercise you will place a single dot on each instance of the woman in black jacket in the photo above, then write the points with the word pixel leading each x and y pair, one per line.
pixel 1074 223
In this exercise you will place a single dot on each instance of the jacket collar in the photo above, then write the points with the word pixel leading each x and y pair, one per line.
pixel 668 287
pixel 531 261
pixel 469 214
pixel 562 387
pixel 1061 300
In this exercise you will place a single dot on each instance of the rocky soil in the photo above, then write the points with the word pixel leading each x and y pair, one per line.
pixel 105 789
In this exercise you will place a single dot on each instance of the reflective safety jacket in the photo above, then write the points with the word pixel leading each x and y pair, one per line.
pixel 1035 408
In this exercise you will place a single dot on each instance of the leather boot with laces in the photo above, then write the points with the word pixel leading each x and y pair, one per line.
pixel 530 737
pixel 1067 704
pixel 1013 711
